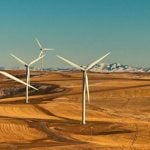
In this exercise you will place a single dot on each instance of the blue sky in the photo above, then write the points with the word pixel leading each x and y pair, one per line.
pixel 82 30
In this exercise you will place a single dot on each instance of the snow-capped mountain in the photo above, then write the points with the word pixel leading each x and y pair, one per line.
pixel 117 67
pixel 104 67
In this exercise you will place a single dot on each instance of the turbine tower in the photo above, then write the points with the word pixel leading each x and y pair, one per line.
pixel 42 51
pixel 85 81
pixel 27 66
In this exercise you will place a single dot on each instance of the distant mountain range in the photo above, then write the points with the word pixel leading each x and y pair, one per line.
pixel 117 67
pixel 103 67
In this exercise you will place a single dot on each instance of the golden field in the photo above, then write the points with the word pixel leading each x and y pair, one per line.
pixel 118 117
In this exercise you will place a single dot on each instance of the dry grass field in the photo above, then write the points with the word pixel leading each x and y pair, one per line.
pixel 118 117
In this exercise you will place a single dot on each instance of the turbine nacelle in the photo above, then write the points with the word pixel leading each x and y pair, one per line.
pixel 26 65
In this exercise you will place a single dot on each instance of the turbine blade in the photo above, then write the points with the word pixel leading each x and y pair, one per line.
pixel 87 87
pixel 16 79
pixel 18 59
pixel 48 49
pixel 38 43
pixel 34 61
pixel 71 63
pixel 95 62
pixel 41 53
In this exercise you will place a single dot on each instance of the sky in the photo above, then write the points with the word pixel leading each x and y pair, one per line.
pixel 80 30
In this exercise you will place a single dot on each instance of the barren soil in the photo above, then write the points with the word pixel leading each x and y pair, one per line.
pixel 117 118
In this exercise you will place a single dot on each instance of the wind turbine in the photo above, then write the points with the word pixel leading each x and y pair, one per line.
pixel 85 81
pixel 27 72
pixel 16 79
pixel 42 51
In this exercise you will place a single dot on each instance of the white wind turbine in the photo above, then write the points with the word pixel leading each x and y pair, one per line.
pixel 85 81
pixel 42 51
pixel 16 79
pixel 27 72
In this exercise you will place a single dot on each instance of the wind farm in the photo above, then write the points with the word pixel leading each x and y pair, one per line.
pixel 74 75
pixel 58 117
